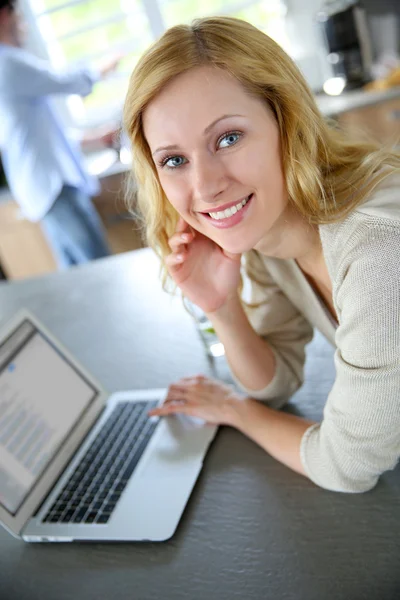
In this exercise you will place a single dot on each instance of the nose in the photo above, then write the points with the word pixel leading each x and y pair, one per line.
pixel 209 178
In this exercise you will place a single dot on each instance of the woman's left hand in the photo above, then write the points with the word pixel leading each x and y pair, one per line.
pixel 201 397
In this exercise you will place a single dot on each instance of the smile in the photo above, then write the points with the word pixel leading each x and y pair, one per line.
pixel 230 216
pixel 232 210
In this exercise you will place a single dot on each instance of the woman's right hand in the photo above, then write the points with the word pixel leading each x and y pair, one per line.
pixel 206 274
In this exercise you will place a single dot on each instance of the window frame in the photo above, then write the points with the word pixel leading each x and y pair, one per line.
pixel 72 106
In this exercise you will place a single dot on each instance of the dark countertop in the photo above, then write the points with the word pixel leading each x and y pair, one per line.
pixel 252 530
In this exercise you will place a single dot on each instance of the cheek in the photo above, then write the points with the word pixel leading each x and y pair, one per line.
pixel 178 194
pixel 175 192
pixel 266 160
pixel 264 170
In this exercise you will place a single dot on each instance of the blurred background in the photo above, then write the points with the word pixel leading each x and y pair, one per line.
pixel 348 52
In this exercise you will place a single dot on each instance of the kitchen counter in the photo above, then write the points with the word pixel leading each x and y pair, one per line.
pixel 252 529
pixel 331 106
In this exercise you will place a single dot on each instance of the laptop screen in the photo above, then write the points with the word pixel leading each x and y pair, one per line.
pixel 42 397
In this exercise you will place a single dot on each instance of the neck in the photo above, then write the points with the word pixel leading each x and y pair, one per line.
pixel 293 238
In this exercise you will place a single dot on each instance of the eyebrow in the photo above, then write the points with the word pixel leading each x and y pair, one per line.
pixel 206 131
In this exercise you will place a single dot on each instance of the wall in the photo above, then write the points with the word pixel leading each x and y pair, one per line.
pixel 307 41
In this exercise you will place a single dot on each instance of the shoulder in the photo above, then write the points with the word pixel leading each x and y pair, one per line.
pixel 374 226
pixel 13 61
pixel 363 253
pixel 13 56
pixel 363 258
pixel 361 417
pixel 384 202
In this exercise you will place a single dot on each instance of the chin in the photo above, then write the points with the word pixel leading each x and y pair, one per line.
pixel 237 248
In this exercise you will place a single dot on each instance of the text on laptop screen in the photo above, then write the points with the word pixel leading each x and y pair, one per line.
pixel 42 396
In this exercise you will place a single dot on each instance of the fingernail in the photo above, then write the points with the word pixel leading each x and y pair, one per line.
pixel 179 258
pixel 185 237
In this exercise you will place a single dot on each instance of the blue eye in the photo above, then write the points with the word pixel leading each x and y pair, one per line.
pixel 230 138
pixel 173 162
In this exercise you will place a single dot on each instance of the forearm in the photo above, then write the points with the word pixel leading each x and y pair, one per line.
pixel 44 80
pixel 100 137
pixel 278 433
pixel 249 356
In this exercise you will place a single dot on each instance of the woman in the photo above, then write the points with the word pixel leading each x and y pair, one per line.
pixel 233 160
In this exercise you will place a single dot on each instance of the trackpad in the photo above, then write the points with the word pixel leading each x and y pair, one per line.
pixel 182 442
pixel 190 423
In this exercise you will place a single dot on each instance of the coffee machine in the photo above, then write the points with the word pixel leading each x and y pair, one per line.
pixel 348 45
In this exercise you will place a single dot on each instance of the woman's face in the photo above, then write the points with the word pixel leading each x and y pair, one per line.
pixel 217 154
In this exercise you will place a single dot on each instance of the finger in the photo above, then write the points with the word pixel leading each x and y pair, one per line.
pixel 234 257
pixel 192 397
pixel 173 401
pixel 170 409
pixel 181 390
pixel 178 240
pixel 181 226
pixel 178 397
pixel 177 393
pixel 175 259
pixel 182 383
pixel 192 378
pixel 189 384
pixel 201 378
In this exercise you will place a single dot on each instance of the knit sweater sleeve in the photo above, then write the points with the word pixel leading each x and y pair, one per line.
pixel 359 437
pixel 282 326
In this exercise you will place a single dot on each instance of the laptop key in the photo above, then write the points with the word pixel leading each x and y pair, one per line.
pixel 102 518
pixel 108 508
pixel 90 517
pixel 67 516
pixel 104 470
pixel 79 515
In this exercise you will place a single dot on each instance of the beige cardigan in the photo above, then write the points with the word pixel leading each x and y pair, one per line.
pixel 359 437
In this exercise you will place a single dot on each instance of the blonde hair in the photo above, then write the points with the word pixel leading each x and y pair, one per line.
pixel 327 175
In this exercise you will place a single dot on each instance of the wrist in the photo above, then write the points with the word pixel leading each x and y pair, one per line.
pixel 227 309
pixel 238 408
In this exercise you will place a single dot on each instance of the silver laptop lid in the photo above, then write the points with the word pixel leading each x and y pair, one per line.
pixel 47 404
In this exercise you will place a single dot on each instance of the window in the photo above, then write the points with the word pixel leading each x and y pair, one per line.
pixel 86 31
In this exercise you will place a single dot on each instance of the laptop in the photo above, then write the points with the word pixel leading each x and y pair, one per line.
pixel 79 464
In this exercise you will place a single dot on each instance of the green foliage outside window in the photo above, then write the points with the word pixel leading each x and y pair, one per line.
pixel 130 32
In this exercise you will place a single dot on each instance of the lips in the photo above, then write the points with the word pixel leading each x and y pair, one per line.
pixel 233 219
pixel 225 206
pixel 228 212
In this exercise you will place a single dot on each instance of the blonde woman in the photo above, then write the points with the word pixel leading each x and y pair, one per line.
pixel 233 159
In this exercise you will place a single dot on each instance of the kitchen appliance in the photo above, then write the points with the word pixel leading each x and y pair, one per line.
pixel 348 44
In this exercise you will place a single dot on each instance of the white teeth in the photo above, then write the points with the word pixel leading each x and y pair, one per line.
pixel 225 214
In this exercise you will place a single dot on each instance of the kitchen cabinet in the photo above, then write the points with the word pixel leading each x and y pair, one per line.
pixel 24 251
pixel 123 232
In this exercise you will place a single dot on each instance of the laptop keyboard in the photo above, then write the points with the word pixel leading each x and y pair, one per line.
pixel 94 488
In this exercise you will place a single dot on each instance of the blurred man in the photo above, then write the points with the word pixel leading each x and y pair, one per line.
pixel 44 168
